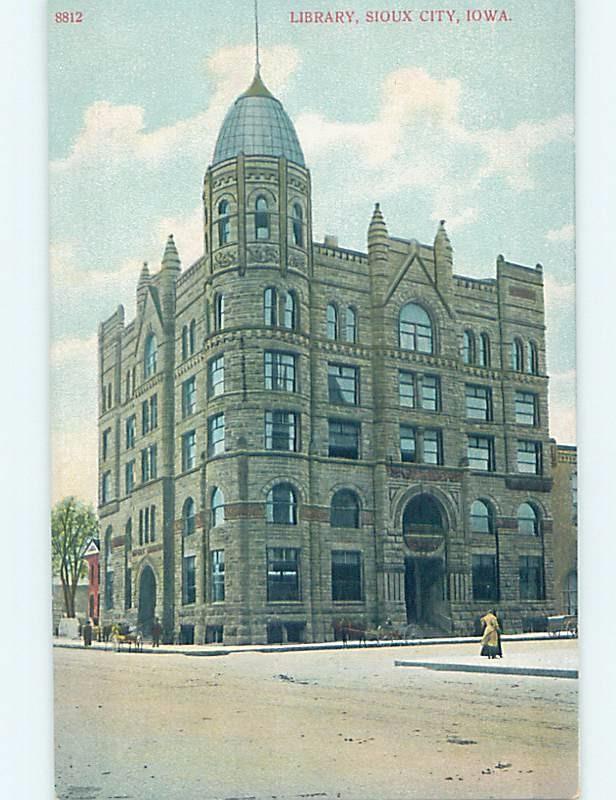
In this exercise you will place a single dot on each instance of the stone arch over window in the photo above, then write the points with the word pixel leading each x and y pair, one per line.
pixel 529 520
pixel 517 355
pixel 345 509
pixel 297 222
pixel 281 504
pixel 350 324
pixel 469 354
pixel 415 329
pixel 150 355
pixel 262 218
pixel 423 513
pixel 532 359
pixel 189 517
pixel 217 506
pixel 448 507
pixel 482 517
pixel 485 358
pixel 224 222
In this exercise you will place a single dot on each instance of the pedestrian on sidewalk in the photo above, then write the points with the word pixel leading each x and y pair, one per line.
pixel 490 644
pixel 156 631
pixel 87 634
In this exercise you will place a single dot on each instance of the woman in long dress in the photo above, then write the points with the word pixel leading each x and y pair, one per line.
pixel 490 644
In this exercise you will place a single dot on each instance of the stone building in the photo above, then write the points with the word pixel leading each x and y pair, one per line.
pixel 564 503
pixel 293 433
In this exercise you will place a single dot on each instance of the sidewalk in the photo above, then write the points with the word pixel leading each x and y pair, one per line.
pixel 223 650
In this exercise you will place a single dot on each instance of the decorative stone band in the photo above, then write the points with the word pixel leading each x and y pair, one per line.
pixel 528 483
pixel 153 548
pixel 425 473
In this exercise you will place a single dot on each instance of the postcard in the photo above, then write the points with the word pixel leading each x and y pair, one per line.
pixel 314 525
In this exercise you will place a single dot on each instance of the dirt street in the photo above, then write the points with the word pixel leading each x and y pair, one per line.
pixel 343 725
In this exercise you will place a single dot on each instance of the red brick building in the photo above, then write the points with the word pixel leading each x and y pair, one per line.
pixel 91 557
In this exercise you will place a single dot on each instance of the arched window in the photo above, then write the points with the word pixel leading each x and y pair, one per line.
pixel 218 507
pixel 482 517
pixel 415 329
pixel 517 355
pixel 344 511
pixel 184 342
pixel 468 348
pixel 188 517
pixel 484 350
pixel 262 228
pixel 532 359
pixel 149 356
pixel 289 311
pixel 281 505
pixel 332 321
pixel 192 337
pixel 528 521
pixel 219 312
pixel 223 222
pixel 350 325
pixel 298 223
pixel 270 306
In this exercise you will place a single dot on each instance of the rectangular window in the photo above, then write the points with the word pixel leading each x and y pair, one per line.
pixel 526 408
pixel 343 439
pixel 485 583
pixel 430 393
pixel 218 576
pixel 346 575
pixel 280 371
pixel 129 476
pixel 145 417
pixel 152 523
pixel 343 384
pixel 529 457
pixel 407 389
pixel 481 453
pixel 141 527
pixel 189 450
pixel 281 430
pixel 282 574
pixel 432 447
pixel 216 435
pixel 153 412
pixel 148 463
pixel 479 403
pixel 531 578
pixel 106 443
pixel 189 397
pixel 106 487
pixel 216 376
pixel 189 580
pixel 408 443
pixel 131 431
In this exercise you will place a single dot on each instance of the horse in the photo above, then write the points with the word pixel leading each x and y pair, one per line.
pixel 121 635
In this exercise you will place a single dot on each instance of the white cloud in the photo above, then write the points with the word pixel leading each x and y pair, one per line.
pixel 74 462
pixel 74 351
pixel 116 134
pixel 564 234
pixel 563 406
pixel 187 231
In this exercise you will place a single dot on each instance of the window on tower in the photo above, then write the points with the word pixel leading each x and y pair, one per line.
pixel 223 222
pixel 262 225
pixel 298 225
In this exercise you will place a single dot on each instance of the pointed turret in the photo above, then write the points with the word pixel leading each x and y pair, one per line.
pixel 443 257
pixel 171 259
pixel 378 238
pixel 143 283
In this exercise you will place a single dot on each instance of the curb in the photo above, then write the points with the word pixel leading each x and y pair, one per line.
pixel 195 650
pixel 536 672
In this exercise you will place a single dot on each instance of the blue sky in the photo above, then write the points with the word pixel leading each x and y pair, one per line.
pixel 469 122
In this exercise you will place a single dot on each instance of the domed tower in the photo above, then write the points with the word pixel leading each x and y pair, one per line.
pixel 257 250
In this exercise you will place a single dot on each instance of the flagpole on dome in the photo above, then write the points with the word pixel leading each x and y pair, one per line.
pixel 257 62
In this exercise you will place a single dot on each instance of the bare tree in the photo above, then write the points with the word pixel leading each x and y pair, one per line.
pixel 73 524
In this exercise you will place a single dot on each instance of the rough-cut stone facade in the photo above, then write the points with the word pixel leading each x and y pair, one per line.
pixel 411 568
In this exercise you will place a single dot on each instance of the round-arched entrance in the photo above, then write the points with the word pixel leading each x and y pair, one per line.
pixel 423 530
pixel 147 600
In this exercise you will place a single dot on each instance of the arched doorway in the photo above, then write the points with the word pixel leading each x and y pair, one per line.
pixel 423 529
pixel 147 600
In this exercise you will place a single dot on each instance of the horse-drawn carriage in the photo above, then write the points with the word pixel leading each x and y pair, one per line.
pixel 347 630
pixel 123 634
pixel 563 625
